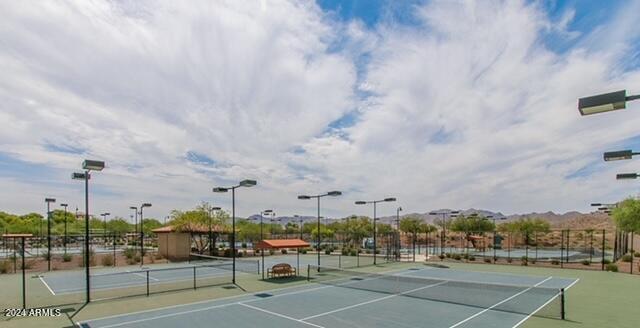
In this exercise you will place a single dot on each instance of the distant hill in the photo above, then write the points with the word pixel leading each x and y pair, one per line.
pixel 569 220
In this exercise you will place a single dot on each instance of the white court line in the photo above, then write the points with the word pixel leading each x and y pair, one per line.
pixel 542 306
pixel 45 283
pixel 505 300
pixel 141 275
pixel 374 300
pixel 280 315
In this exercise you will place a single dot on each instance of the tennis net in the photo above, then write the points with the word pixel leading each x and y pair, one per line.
pixel 525 300
pixel 225 263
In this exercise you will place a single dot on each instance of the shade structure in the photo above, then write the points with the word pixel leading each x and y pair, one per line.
pixel 282 243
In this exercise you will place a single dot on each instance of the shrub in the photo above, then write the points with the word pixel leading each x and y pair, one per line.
pixel 441 256
pixel 524 261
pixel 345 251
pixel 359 251
pixel 636 254
pixel 487 260
pixel 495 259
pixel 606 261
pixel 129 253
pixel 240 254
pixel 353 252
pixel 509 260
pixel 472 258
pixel 327 251
pixel 107 260
pixel 532 261
pixel 555 262
pixel 27 265
pixel 465 256
pixel 457 257
pixel 611 267
pixel 586 262
pixel 5 266
pixel 448 255
pixel 243 245
pixel 303 251
pixel 283 251
pixel 67 257
pixel 626 258
pixel 46 255
pixel 367 251
pixel 271 252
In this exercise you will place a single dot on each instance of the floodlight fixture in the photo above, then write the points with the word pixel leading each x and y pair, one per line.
pixel 145 205
pixel 596 204
pixel 602 208
pixel 360 202
pixel 248 183
pixel 304 197
pixel 390 199
pixel 216 208
pixel 50 200
pixel 626 176
pixel 334 193
pixel 605 102
pixel 80 175
pixel 618 155
pixel 91 165
pixel 220 189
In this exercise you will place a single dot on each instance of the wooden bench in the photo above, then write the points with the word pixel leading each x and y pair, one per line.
pixel 281 270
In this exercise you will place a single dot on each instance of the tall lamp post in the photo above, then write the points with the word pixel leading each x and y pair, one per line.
pixel 87 166
pixel 135 224
pixel 375 202
pixel 398 242
pixel 211 209
pixel 262 238
pixel 49 201
pixel 305 197
pixel 444 226
pixel 243 183
pixel 142 232
pixel 64 241
pixel 104 233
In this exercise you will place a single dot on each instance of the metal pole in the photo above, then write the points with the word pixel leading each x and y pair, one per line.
pixel 374 233
pixel 233 232
pixel 65 230
pixel 632 251
pixel 114 249
pixel 48 238
pixel 142 237
pixel 210 235
pixel 562 309
pixel 262 249
pixel 24 286
pixel 318 237
pixel 86 233
pixel 604 232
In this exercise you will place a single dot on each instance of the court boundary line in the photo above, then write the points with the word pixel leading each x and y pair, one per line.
pixel 543 305
pixel 280 315
pixel 373 300
pixel 141 275
pixel 46 285
pixel 501 302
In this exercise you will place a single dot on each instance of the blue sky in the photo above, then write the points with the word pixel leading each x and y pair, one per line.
pixel 441 104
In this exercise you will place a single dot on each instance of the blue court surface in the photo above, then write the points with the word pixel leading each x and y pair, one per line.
pixel 415 297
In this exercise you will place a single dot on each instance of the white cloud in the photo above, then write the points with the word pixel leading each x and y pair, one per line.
pixel 468 109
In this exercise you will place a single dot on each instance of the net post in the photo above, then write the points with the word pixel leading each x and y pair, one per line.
pixel 194 278
pixel 147 283
pixel 562 308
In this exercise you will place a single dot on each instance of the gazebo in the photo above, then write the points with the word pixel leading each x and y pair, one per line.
pixel 175 244
pixel 280 244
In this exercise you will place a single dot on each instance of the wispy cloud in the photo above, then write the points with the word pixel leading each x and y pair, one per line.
pixel 458 104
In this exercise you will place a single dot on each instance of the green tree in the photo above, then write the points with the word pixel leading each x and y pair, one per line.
pixel 411 225
pixel 627 215
pixel 199 217
pixel 526 227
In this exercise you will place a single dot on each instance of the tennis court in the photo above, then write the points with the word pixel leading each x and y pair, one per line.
pixel 341 298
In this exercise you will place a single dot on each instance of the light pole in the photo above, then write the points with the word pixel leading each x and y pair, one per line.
pixel 87 166
pixel 262 238
pixel 444 226
pixel 305 197
pixel 210 230
pixel 375 202
pixel 243 183
pixel 104 219
pixel 398 242
pixel 135 225
pixel 64 241
pixel 604 102
pixel 142 232
pixel 49 201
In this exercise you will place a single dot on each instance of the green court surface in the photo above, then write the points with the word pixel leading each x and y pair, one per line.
pixel 599 299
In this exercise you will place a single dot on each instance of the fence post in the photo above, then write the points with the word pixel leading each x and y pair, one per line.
pixel 194 278
pixel 632 251
pixel 604 232
pixel 561 248
pixel 562 309
pixel 568 244
pixel 147 282
pixel 114 249
pixel 24 288
pixel 308 272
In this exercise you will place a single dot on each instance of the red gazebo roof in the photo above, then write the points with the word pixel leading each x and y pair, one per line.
pixel 282 243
